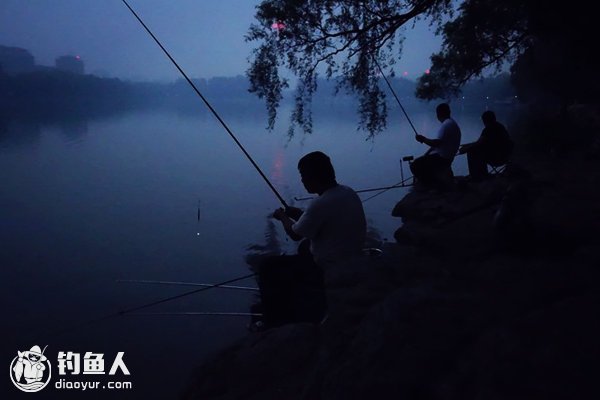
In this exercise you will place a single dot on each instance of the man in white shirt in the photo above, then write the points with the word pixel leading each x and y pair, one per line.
pixel 334 223
pixel 427 168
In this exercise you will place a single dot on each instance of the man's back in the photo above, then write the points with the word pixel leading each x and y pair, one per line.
pixel 335 224
pixel 497 142
pixel 450 135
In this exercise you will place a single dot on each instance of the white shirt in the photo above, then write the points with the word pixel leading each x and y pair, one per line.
pixel 335 224
pixel 449 134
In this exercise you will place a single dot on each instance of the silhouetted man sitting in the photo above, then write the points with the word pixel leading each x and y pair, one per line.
pixel 493 147
pixel 429 168
pixel 333 228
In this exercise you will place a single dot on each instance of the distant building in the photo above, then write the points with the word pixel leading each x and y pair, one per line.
pixel 14 60
pixel 72 64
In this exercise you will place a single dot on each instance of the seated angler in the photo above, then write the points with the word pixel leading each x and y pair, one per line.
pixel 430 168
pixel 333 228
pixel 493 147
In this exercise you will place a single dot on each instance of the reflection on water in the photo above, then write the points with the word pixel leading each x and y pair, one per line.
pixel 74 130
pixel 122 204
pixel 26 133
pixel 277 167
pixel 18 134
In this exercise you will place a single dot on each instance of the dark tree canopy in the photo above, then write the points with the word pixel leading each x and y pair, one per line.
pixel 550 49
pixel 484 35
pixel 349 40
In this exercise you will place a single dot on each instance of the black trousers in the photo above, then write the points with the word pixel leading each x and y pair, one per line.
pixel 478 158
pixel 427 168
pixel 291 290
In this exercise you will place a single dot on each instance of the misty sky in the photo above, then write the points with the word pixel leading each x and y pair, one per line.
pixel 206 37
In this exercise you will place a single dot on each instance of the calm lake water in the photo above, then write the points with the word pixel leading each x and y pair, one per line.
pixel 84 204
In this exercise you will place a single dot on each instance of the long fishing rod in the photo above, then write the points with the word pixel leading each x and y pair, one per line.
pixel 130 310
pixel 395 96
pixel 200 313
pixel 143 306
pixel 399 185
pixel 178 283
pixel 356 191
pixel 383 188
pixel 212 110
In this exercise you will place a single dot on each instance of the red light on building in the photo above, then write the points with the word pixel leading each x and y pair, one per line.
pixel 427 71
pixel 73 64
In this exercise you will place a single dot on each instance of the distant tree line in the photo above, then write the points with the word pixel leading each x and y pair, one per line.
pixel 51 92
pixel 54 94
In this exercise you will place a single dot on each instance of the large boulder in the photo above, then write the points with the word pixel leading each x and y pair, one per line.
pixel 435 207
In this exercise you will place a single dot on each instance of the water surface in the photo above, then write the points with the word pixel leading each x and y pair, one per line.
pixel 86 203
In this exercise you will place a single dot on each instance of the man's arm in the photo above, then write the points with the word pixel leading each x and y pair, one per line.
pixel 287 222
pixel 427 141
pixel 465 147
pixel 468 146
pixel 294 212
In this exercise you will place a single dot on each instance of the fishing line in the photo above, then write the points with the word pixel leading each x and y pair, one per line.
pixel 212 110
pixel 395 96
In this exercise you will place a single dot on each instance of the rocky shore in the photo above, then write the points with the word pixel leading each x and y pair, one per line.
pixel 490 292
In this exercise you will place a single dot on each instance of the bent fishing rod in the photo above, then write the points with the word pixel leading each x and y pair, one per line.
pixel 208 105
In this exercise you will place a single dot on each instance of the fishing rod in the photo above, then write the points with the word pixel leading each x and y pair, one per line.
pixel 384 188
pixel 208 105
pixel 200 313
pixel 177 283
pixel 356 191
pixel 395 96
pixel 130 310
pixel 400 184
pixel 143 306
